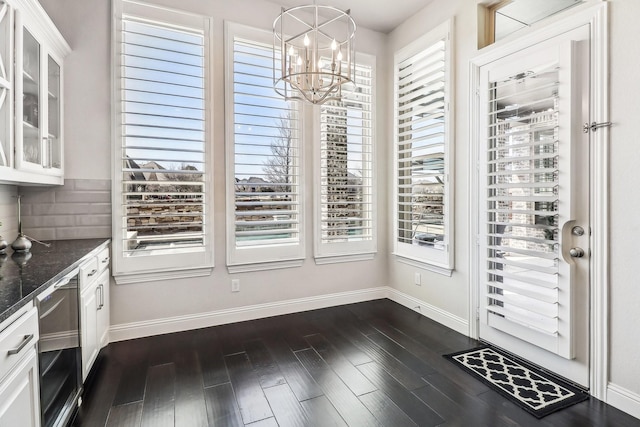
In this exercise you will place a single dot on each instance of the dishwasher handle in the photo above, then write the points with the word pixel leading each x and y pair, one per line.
pixel 60 283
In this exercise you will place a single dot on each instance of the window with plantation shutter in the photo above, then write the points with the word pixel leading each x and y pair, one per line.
pixel 345 216
pixel 163 188
pixel 264 208
pixel 422 134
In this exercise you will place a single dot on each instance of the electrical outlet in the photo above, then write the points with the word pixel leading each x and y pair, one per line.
pixel 235 285
pixel 417 279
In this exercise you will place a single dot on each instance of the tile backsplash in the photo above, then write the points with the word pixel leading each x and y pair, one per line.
pixel 80 209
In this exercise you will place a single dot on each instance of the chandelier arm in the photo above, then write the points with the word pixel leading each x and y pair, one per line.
pixel 332 20
pixel 297 19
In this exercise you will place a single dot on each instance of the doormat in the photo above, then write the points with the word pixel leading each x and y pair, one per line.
pixel 525 385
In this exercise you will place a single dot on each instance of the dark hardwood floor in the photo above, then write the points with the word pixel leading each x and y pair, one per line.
pixel 368 364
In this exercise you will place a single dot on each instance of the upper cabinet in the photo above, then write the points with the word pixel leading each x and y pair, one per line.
pixel 31 79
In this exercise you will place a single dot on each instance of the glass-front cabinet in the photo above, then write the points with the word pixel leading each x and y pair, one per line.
pixel 6 85
pixel 32 140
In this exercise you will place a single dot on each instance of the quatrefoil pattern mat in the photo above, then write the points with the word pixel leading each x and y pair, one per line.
pixel 533 390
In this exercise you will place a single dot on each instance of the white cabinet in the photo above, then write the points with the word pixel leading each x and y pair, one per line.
pixel 94 306
pixel 103 309
pixel 19 386
pixel 19 396
pixel 31 133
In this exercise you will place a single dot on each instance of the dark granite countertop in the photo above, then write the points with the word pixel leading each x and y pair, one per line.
pixel 20 284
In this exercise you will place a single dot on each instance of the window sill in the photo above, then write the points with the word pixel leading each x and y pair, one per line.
pixel 439 269
pixel 334 259
pixel 262 266
pixel 131 278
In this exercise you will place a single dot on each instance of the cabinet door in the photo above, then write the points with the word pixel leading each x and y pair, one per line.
pixel 53 146
pixel 103 309
pixel 89 327
pixel 6 85
pixel 38 135
pixel 19 394
pixel 29 145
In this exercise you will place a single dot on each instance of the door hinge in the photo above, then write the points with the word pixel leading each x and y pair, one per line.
pixel 595 126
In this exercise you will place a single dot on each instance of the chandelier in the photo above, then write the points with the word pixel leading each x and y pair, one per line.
pixel 313 53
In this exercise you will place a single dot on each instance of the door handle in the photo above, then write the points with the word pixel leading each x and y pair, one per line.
pixel 576 252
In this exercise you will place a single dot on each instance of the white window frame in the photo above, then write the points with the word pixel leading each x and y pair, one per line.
pixel 256 257
pixel 167 263
pixel 347 251
pixel 436 260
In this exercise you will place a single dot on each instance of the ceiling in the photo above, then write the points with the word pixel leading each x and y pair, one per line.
pixel 378 15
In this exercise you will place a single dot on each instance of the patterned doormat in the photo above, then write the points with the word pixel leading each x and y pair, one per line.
pixel 525 385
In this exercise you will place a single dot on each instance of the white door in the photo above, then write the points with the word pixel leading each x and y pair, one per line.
pixel 534 207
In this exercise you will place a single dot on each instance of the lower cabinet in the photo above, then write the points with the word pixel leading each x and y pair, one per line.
pixel 19 385
pixel 94 305
pixel 19 394
pixel 103 309
pixel 89 339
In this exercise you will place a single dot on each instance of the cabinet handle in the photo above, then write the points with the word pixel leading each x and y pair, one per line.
pixel 23 344
pixel 94 271
pixel 106 260
pixel 101 289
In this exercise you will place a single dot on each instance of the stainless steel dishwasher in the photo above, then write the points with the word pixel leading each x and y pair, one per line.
pixel 59 351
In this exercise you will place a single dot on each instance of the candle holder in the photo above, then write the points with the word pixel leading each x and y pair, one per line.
pixel 22 243
pixel 3 244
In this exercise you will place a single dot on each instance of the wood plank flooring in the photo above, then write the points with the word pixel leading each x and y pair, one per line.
pixel 368 364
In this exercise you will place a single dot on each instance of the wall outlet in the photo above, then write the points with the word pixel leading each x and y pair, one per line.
pixel 235 285
pixel 417 279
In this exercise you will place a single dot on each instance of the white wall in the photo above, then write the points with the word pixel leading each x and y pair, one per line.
pixel 624 286
pixel 86 26
pixel 449 295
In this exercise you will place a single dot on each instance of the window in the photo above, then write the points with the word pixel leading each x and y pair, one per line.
pixel 423 214
pixel 509 16
pixel 162 185
pixel 264 207
pixel 345 220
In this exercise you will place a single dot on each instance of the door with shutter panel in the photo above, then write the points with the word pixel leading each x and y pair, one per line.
pixel 534 207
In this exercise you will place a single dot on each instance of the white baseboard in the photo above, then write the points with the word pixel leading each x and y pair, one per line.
pixel 445 318
pixel 133 330
pixel 623 399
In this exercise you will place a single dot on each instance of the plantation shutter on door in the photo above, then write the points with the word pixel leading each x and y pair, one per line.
pixel 527 282
pixel 163 124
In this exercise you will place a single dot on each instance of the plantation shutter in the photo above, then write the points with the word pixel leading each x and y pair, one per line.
pixel 523 196
pixel 163 125
pixel 423 229
pixel 346 164
pixel 266 160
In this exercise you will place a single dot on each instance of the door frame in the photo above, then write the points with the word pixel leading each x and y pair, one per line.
pixel 594 13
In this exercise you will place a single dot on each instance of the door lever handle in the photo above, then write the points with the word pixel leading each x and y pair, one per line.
pixel 576 252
